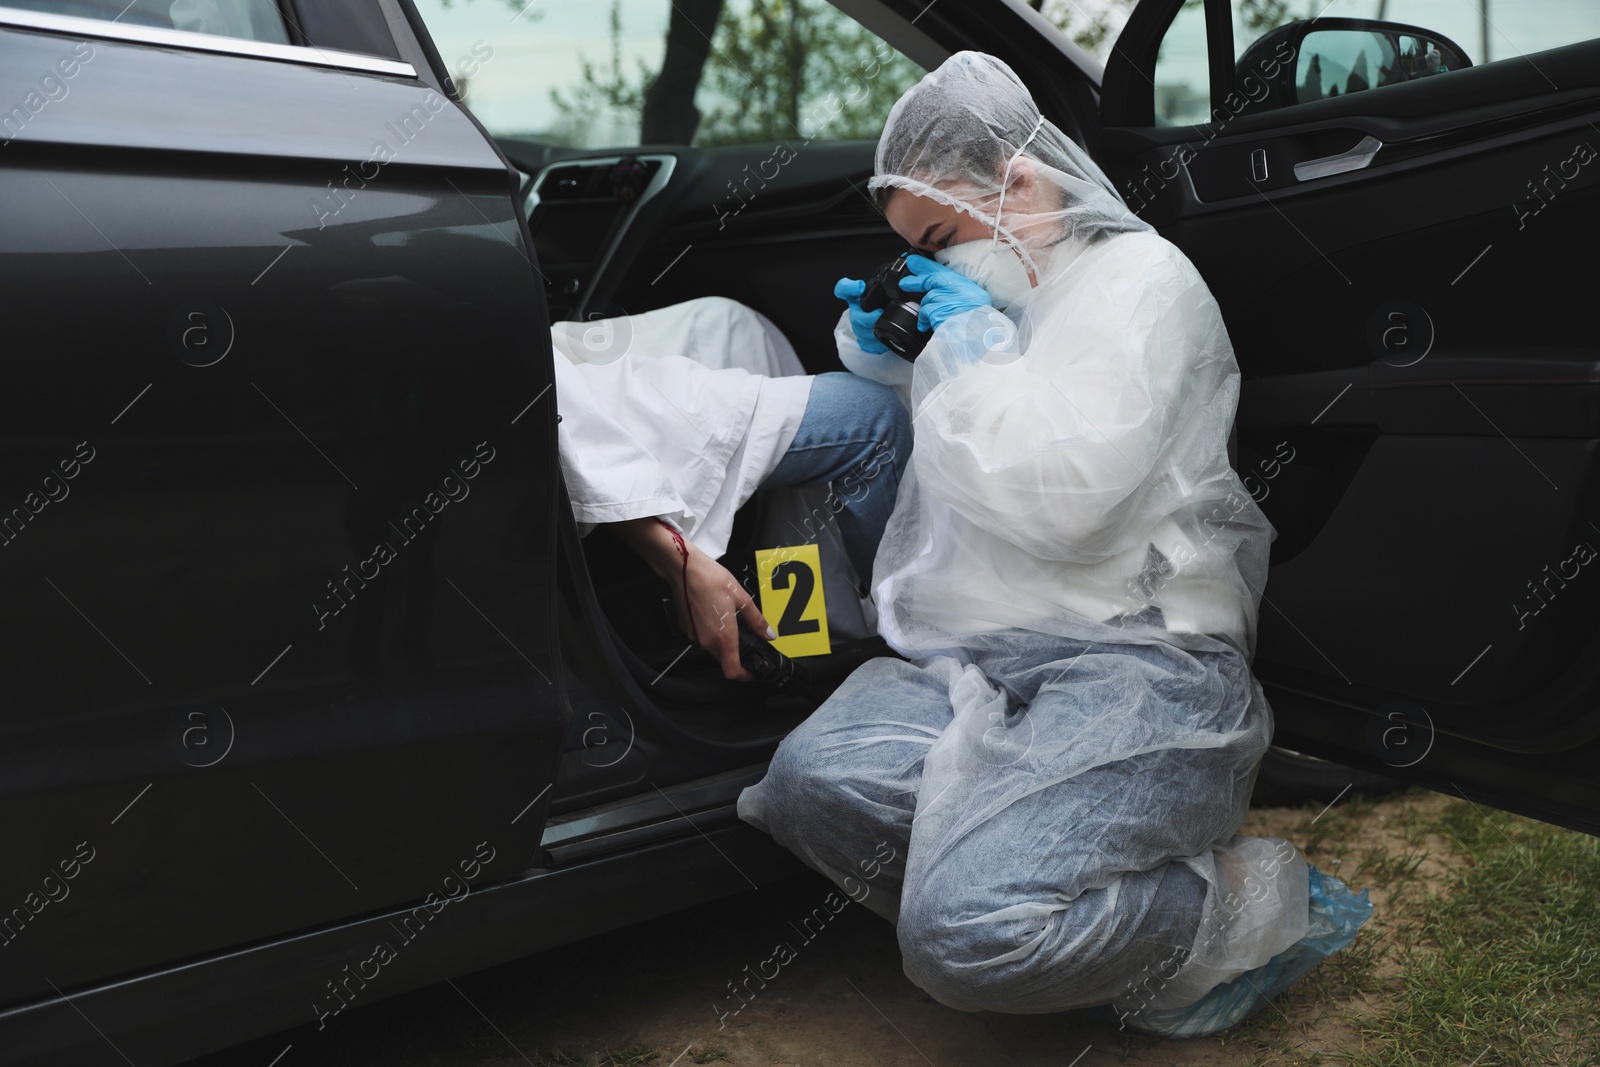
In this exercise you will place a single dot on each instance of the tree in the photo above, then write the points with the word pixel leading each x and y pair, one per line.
pixel 1095 31
pixel 523 8
pixel 783 69
pixel 1259 16
pixel 602 94
pixel 765 70
pixel 1092 30
pixel 669 114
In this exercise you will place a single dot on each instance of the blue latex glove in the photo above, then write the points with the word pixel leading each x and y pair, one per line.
pixel 945 292
pixel 849 290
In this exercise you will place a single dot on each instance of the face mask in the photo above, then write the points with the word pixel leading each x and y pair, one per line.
pixel 997 268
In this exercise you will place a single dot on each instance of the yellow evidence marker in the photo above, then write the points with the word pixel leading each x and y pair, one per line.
pixel 791 599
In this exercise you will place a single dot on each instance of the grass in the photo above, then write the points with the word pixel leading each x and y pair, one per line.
pixel 638 1055
pixel 632 1056
pixel 1484 949
pixel 1385 868
pixel 1502 968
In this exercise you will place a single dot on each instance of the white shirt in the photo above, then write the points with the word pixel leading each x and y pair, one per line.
pixel 679 413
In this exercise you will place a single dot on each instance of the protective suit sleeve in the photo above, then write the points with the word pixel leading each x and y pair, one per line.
pixel 884 367
pixel 1047 438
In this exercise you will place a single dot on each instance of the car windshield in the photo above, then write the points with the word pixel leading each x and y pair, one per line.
pixel 701 72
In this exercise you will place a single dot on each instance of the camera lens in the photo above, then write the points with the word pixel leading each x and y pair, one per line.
pixel 897 328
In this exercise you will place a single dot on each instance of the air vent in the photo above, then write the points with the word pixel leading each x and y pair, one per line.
pixel 622 180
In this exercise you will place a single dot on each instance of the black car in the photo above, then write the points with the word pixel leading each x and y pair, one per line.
pixel 315 695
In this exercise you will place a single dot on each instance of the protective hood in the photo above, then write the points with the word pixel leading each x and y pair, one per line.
pixel 1070 471
pixel 955 137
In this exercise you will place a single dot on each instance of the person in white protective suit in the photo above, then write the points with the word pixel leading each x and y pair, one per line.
pixel 1073 572
pixel 672 419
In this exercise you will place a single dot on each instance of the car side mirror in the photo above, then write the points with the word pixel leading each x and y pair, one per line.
pixel 1315 59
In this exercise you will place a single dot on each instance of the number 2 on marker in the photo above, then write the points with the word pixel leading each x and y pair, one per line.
pixel 791 599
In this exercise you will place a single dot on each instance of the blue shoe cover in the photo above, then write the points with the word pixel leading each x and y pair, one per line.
pixel 1336 915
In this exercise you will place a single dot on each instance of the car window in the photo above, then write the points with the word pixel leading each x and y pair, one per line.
pixel 700 72
pixel 1290 52
pixel 252 20
pixel 1182 76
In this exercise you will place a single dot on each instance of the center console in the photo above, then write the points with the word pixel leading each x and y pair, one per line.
pixel 578 212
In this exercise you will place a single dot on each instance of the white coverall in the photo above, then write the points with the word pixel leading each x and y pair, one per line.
pixel 1073 571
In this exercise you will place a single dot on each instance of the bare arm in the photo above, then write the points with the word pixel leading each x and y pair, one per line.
pixel 710 600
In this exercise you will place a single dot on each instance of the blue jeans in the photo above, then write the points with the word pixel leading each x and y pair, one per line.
pixel 1051 878
pixel 855 437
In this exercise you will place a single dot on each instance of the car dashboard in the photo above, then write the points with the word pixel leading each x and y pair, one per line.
pixel 579 212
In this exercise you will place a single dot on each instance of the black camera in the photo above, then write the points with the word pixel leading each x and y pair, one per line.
pixel 897 326
pixel 771 667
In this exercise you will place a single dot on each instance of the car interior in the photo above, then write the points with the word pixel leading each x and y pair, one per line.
pixel 622 230
pixel 627 231
pixel 771 223
pixel 781 258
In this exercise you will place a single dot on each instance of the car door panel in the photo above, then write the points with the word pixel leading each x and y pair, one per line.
pixel 780 250
pixel 282 348
pixel 772 225
pixel 1420 409
pixel 1473 401
pixel 198 1007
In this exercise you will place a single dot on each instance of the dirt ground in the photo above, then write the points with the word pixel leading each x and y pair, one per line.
pixel 655 993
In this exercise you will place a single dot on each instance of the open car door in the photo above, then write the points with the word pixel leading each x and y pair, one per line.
pixel 280 471
pixel 1395 236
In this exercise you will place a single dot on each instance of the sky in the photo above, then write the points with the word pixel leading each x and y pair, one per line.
pixel 542 45
pixel 536 48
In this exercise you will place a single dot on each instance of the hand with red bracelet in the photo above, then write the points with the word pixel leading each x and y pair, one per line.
pixel 710 600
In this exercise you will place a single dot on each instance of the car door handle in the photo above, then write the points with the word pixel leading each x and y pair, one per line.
pixel 1355 159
